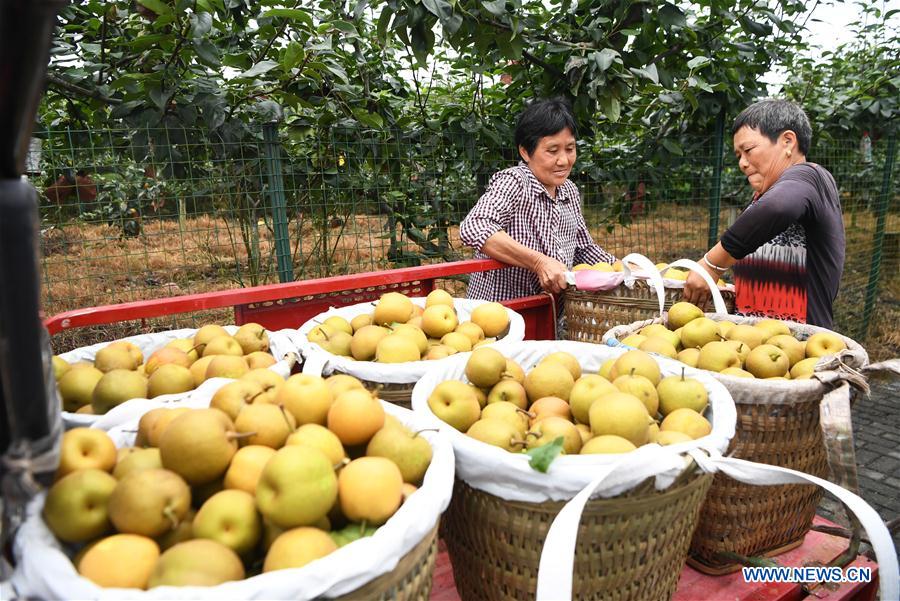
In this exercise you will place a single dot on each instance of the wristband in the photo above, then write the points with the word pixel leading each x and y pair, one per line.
pixel 716 267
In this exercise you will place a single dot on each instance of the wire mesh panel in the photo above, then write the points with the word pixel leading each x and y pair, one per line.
pixel 138 214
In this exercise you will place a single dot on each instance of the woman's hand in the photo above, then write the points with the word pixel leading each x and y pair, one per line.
pixel 551 274
pixel 695 289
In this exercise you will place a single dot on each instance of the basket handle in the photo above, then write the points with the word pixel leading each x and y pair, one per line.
pixel 718 301
pixel 653 275
pixel 558 555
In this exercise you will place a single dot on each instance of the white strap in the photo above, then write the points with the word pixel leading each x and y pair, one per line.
pixel 718 301
pixel 652 274
pixel 314 362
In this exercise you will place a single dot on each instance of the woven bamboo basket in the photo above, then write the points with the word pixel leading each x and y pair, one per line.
pixel 630 547
pixel 409 581
pixel 589 315
pixel 763 520
pixel 399 394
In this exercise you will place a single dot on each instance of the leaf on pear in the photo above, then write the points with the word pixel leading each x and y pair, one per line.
pixel 543 456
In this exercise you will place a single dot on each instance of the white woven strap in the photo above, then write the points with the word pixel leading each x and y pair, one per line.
pixel 652 274
pixel 718 301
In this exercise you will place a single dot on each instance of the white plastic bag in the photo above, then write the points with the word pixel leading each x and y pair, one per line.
pixel 281 345
pixel 44 571
pixel 318 361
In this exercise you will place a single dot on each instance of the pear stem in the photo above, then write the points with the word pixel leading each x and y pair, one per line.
pixel 528 413
pixel 514 441
pixel 170 514
pixel 425 430
pixel 341 464
pixel 239 435
pixel 682 374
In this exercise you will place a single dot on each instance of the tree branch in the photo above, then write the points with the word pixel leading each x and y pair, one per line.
pixel 546 66
pixel 67 86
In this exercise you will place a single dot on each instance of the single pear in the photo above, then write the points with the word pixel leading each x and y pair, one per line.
pixel 642 388
pixel 169 379
pixel 370 490
pixel 297 547
pixel 566 359
pixel 682 313
pixel 76 387
pixel 455 403
pixel 76 507
pixel 676 392
pixel 229 517
pixel 623 415
pixel 297 487
pixel 509 391
pixel 549 379
pixel 197 562
pixel 485 367
pixel 549 429
pixel 585 392
pixel 116 387
pixel 607 444
pixel 409 451
pixel 253 338
pixel 149 502
pixel 198 445
pixel 270 425
pixel 497 432
pixel 687 421
pixel 141 459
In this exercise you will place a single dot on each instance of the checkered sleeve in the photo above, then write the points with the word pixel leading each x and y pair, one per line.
pixel 492 211
pixel 586 250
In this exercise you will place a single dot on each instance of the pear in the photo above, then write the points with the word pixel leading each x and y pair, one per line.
pixel 657 330
pixel 497 432
pixel 623 415
pixel 747 334
pixel 207 332
pixel 182 532
pixel 658 345
pixel 492 318
pixel 724 328
pixel 409 451
pixel 198 562
pixel 640 387
pixel 116 387
pixel 607 444
pixel 169 379
pixel 736 371
pixel 223 345
pixel 585 392
pixel 297 487
pixel 253 338
pixel 634 340
pixel 481 395
pixel 145 424
pixel 141 459
pixel 186 345
pixel 60 367
pixel 226 366
pixel 790 345
pixel 440 320
pixel 767 361
pixel 259 360
pixel 167 354
pixel 716 356
pixel 392 307
pixel 360 321
pixel 320 333
pixel 549 429
pixel 637 363
pixel 676 392
pixel 396 349
pixel 682 313
pixel 804 368
pixel 338 383
pixel 514 371
pixel 297 547
pixel 234 396
pixel 149 502
pixel 772 327
pixel 76 387
pixel 118 355
pixel 159 425
pixel 485 367
pixel 436 352
pixel 549 379
pixel 338 343
pixel 606 369
pixel 246 466
pixel 120 561
pixel 438 297
pixel 457 341
pixel 687 421
pixel 370 490
pixel 508 412
pixel 321 438
pixel 307 397
pixel 198 369
pixel 455 403
pixel 689 356
pixel 270 425
pixel 742 349
pixel 508 391
pixel 585 432
pixel 698 332
pixel 270 382
pixel 471 330
pixel 86 448
pixel 549 406
pixel 822 344
pixel 229 517
pixel 355 416
pixel 566 359
pixel 365 341
pixel 76 507
pixel 198 445
pixel 415 334
pixel 338 324
pixel 672 437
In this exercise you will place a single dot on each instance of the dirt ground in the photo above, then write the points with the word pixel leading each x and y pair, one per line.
pixel 87 265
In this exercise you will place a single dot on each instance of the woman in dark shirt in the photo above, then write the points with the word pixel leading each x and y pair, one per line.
pixel 787 247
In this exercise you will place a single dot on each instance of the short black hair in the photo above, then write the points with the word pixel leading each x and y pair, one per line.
pixel 543 118
pixel 772 116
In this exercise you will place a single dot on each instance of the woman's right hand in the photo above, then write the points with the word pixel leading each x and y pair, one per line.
pixel 551 274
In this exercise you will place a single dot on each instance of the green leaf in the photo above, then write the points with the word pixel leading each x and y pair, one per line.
pixel 672 146
pixel 258 69
pixel 543 456
pixel 367 118
pixel 208 52
pixel 698 82
pixel 648 72
pixel 605 58
pixel 160 97
pixel 157 6
pixel 293 54
pixel 671 17
pixel 611 108
pixel 698 62
pixel 342 26
pixel 294 14
pixel 495 7
pixel 384 21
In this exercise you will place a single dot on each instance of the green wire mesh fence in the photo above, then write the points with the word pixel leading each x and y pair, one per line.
pixel 138 214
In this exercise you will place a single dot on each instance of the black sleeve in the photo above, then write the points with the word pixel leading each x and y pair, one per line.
pixel 784 203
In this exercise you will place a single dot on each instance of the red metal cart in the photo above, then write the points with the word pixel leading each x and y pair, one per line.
pixel 289 305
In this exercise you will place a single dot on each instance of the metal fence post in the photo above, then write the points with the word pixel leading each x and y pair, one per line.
pixel 272 149
pixel 878 243
pixel 715 194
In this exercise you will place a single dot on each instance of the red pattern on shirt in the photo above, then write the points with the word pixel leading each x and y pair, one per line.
pixel 517 203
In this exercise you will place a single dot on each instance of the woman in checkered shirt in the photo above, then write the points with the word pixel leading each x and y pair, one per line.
pixel 530 215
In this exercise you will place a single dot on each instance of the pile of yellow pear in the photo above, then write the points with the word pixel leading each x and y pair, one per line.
pixel 119 372
pixel 626 405
pixel 254 483
pixel 673 273
pixel 768 349
pixel 399 331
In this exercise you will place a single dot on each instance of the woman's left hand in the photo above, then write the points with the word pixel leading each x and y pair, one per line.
pixel 695 289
